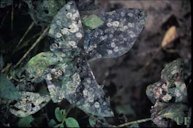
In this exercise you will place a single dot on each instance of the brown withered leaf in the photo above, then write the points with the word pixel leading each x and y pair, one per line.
pixel 169 37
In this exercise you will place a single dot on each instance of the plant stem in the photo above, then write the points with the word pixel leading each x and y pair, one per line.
pixel 69 109
pixel 6 68
pixel 36 42
pixel 27 31
pixel 12 16
pixel 3 19
pixel 26 42
pixel 133 122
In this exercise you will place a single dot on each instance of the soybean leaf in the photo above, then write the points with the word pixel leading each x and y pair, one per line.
pixel 175 112
pixel 25 121
pixel 1 62
pixel 92 99
pixel 116 35
pixel 52 123
pixel 43 11
pixel 58 114
pixel 66 29
pixel 7 89
pixel 92 21
pixel 4 3
pixel 29 103
pixel 92 121
pixel 71 122
pixel 125 109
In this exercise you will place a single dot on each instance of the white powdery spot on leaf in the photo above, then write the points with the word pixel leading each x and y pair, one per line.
pixel 118 27
pixel 64 26
pixel 28 104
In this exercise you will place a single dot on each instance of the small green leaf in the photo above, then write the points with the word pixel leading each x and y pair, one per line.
pixel 39 63
pixel 92 122
pixel 71 122
pixel 58 114
pixel 7 89
pixel 92 21
pixel 125 109
pixel 25 122
pixel 61 126
pixel 52 123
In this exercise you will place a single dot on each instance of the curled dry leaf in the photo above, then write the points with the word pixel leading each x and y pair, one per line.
pixel 169 37
pixel 169 96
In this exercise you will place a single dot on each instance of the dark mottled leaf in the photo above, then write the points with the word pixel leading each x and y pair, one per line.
pixel 52 123
pixel 25 122
pixel 116 36
pixel 1 62
pixel 66 28
pixel 43 11
pixel 7 89
pixel 29 103
pixel 176 112
pixel 92 121
pixel 89 98
pixel 86 5
pixel 4 3
pixel 125 109
pixel 75 83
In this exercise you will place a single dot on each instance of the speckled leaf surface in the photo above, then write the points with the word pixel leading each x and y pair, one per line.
pixel 66 28
pixel 169 96
pixel 65 67
pixel 117 34
pixel 172 85
pixel 43 11
pixel 29 103
pixel 76 82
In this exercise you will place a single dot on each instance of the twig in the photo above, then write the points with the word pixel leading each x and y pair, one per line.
pixel 6 68
pixel 12 16
pixel 36 42
pixel 26 42
pixel 27 31
pixel 4 17
pixel 133 122
pixel 125 124
pixel 69 109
